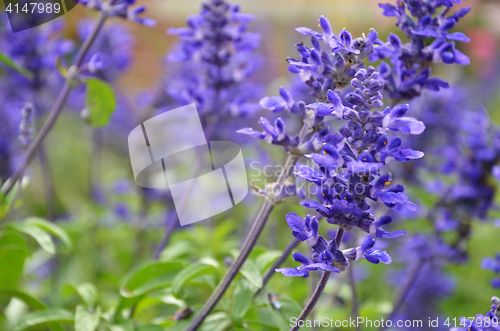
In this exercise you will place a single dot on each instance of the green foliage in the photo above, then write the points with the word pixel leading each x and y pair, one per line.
pixel 85 320
pixel 44 317
pixel 86 291
pixel 40 230
pixel 100 102
pixel 251 273
pixel 13 252
pixel 242 299
pixel 26 298
pixel 192 271
pixel 150 276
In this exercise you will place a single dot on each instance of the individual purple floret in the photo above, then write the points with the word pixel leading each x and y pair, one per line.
pixel 326 254
pixel 111 53
pixel 120 8
pixel 493 264
pixel 488 322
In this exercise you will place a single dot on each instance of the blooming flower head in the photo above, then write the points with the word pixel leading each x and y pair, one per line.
pixel 212 65
pixel 326 254
pixel 349 164
pixel 427 27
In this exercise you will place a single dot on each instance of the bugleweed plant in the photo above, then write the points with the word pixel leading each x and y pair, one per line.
pixel 382 159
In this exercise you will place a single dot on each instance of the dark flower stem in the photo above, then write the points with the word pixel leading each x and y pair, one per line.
pixel 249 242
pixel 401 299
pixel 60 101
pixel 319 289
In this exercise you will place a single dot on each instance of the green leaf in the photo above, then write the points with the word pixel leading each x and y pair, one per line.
pixel 42 237
pixel 124 303
pixel 86 291
pixel 281 322
pixel 26 298
pixel 166 297
pixel 13 251
pixel 150 276
pixel 51 228
pixel 251 273
pixel 10 63
pixel 84 320
pixel 265 260
pixel 189 273
pixel 42 317
pixel 177 249
pixel 100 101
pixel 242 299
pixel 216 322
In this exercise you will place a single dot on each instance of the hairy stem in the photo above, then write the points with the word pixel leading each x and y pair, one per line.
pixel 60 101
pixel 319 289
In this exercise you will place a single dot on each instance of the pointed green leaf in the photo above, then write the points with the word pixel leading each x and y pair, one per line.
pixel 251 273
pixel 87 292
pixel 100 102
pixel 43 317
pixel 150 276
pixel 265 260
pixel 26 298
pixel 42 237
pixel 85 320
pixel 242 299
pixel 51 228
pixel 13 251
pixel 189 273
pixel 216 322
pixel 281 322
